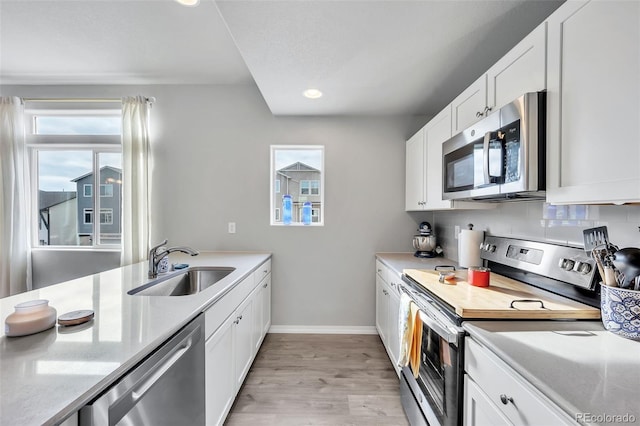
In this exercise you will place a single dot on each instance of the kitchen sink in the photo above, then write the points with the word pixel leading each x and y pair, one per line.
pixel 192 281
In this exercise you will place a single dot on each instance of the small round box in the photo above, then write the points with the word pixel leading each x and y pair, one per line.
pixel 30 317
pixel 478 276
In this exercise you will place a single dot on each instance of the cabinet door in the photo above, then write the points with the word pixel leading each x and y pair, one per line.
pixel 393 343
pixel 593 103
pixel 469 106
pixel 438 131
pixel 523 69
pixel 415 196
pixel 478 410
pixel 382 309
pixel 243 339
pixel 220 379
pixel 256 328
pixel 262 311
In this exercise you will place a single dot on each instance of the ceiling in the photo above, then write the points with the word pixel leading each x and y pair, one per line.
pixel 371 57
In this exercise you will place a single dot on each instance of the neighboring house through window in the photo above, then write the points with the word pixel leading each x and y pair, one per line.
pixel 76 146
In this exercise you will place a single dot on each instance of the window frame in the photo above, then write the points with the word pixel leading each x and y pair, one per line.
pixel 88 186
pixel 321 185
pixel 96 144
pixel 105 186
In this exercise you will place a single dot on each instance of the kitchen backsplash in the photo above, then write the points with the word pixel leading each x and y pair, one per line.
pixel 540 221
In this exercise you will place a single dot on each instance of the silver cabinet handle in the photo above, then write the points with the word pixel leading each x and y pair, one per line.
pixel 265 271
pixel 479 114
pixel 487 110
pixel 265 285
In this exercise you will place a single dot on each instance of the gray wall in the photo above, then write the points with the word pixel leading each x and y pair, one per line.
pixel 211 151
pixel 533 220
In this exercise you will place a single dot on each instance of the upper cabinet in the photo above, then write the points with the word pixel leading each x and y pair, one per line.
pixel 424 168
pixel 415 180
pixel 593 101
pixel 470 106
pixel 521 70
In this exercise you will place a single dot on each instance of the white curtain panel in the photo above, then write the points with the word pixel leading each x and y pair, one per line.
pixel 135 179
pixel 15 203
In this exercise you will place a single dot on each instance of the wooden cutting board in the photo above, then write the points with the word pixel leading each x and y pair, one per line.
pixel 494 301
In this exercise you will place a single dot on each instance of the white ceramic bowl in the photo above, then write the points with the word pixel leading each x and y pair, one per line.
pixel 620 310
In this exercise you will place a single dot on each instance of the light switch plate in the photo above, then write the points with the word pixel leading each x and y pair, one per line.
pixel 232 227
pixel 456 231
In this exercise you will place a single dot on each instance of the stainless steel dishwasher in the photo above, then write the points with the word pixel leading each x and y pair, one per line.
pixel 167 388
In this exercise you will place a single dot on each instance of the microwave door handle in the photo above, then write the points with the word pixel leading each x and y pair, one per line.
pixel 485 155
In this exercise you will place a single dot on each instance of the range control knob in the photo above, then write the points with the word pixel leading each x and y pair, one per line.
pixel 582 267
pixel 566 264
pixel 491 248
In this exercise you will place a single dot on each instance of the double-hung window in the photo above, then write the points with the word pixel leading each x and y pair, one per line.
pixel 74 148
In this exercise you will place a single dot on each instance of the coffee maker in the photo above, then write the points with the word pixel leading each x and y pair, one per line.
pixel 425 242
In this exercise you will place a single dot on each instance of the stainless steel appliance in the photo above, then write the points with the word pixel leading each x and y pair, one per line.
pixel 501 157
pixel 168 388
pixel 545 273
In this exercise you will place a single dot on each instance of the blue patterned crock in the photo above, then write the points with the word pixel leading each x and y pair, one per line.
pixel 620 310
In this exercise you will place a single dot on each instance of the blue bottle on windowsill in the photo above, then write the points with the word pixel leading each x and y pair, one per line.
pixel 306 213
pixel 286 209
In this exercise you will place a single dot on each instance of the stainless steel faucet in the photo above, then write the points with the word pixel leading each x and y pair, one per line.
pixel 156 256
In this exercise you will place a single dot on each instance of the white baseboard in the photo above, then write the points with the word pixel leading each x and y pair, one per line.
pixel 323 329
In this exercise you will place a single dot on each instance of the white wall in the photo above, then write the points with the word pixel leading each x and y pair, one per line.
pixel 211 166
pixel 534 221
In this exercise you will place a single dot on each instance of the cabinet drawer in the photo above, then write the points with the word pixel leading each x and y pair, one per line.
pixel 216 314
pixel 262 271
pixel 517 400
pixel 382 270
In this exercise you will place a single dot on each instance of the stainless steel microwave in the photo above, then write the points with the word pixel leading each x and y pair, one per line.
pixel 501 157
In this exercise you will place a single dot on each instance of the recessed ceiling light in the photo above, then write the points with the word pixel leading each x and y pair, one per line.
pixel 188 2
pixel 312 93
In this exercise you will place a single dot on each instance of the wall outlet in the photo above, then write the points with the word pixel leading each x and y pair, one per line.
pixel 232 227
pixel 456 231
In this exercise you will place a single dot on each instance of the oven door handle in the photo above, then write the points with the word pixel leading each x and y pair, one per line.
pixel 443 332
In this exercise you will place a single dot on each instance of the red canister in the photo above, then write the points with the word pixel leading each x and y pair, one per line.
pixel 478 276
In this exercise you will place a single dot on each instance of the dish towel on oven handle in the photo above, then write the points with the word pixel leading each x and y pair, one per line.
pixel 410 331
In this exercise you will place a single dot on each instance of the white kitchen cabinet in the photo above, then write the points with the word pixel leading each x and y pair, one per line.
pixel 478 410
pixel 415 179
pixel 593 103
pixel 382 308
pixel 505 390
pixel 387 311
pixel 243 338
pixel 521 70
pixel 262 310
pixel 469 106
pixel 220 380
pixel 235 327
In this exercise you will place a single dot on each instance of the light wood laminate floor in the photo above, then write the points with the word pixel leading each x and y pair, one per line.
pixel 311 379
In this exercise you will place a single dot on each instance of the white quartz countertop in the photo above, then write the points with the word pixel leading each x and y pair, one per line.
pixel 584 369
pixel 400 261
pixel 46 377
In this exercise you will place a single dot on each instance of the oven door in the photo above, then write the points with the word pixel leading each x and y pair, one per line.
pixel 434 396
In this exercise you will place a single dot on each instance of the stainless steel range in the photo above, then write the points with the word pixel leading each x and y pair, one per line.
pixel 529 280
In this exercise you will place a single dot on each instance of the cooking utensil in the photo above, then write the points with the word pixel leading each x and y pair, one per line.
pixel 594 237
pixel 627 261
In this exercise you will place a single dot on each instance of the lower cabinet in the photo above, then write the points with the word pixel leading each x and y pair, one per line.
pixel 495 394
pixel 220 376
pixel 232 347
pixel 387 312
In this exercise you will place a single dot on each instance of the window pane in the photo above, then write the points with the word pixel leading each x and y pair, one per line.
pixel 110 165
pixel 297 172
pixel 61 175
pixel 74 125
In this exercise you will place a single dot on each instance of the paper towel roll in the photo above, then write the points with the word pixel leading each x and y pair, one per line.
pixel 469 248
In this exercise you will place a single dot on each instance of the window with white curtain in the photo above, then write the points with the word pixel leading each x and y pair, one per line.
pixel 75 147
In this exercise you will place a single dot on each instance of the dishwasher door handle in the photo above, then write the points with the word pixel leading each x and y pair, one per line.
pixel 130 395
pixel 149 381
